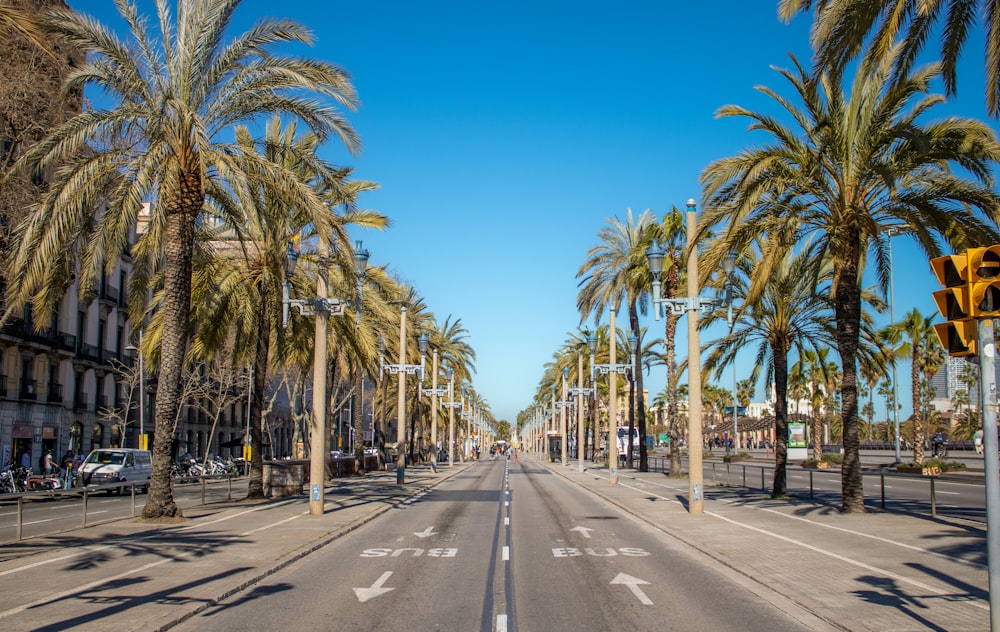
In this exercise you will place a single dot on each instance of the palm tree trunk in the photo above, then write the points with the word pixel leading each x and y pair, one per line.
pixel 255 484
pixel 847 310
pixel 178 254
pixel 918 427
pixel 780 485
pixel 357 421
pixel 673 424
pixel 640 399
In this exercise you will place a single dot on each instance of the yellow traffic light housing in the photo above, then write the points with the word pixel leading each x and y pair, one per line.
pixel 984 281
pixel 957 337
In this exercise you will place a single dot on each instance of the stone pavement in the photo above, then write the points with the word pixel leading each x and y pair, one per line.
pixel 877 571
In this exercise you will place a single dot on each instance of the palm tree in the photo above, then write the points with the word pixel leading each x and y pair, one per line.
pixel 812 365
pixel 179 94
pixel 790 313
pixel 247 293
pixel 15 19
pixel 852 164
pixel 616 268
pixel 842 29
pixel 911 338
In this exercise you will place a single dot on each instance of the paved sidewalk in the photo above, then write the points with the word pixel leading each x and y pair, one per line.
pixel 128 575
pixel 876 571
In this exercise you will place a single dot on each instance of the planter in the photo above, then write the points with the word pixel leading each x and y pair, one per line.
pixel 916 469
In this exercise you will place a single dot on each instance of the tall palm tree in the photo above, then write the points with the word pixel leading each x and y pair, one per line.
pixel 616 268
pixel 247 291
pixel 851 164
pixel 911 338
pixel 843 28
pixel 791 313
pixel 178 93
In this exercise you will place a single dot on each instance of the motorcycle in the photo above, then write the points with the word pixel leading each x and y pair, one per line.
pixel 43 482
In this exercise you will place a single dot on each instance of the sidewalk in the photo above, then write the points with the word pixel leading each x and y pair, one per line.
pixel 875 571
pixel 127 575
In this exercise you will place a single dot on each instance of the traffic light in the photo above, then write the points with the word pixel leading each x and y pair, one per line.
pixel 984 281
pixel 958 334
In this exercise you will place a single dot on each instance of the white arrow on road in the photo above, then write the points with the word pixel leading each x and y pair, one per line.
pixel 633 585
pixel 426 533
pixel 364 594
pixel 584 530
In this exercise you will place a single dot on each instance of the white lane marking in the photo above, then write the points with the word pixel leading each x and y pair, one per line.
pixel 426 533
pixel 506 521
pixel 501 623
pixel 376 589
pixel 584 530
pixel 506 553
pixel 633 583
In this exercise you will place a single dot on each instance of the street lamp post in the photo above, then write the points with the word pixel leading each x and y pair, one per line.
pixel 580 391
pixel 890 232
pixel 141 443
pixel 402 370
pixel 434 392
pixel 451 405
pixel 612 369
pixel 321 307
pixel 692 305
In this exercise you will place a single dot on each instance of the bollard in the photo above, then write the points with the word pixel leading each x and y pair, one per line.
pixel 933 500
pixel 20 515
pixel 86 495
pixel 762 487
pixel 882 476
pixel 810 484
pixel 713 474
pixel 133 500
pixel 729 480
pixel 229 496
pixel 204 485
pixel 745 475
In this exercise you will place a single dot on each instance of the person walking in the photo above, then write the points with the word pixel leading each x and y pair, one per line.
pixel 45 463
pixel 977 438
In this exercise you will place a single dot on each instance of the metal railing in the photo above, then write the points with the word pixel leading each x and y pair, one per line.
pixel 662 464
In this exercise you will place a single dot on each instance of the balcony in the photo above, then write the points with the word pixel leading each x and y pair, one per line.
pixel 90 352
pixel 108 295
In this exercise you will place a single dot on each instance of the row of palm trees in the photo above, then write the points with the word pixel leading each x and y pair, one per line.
pixel 207 273
pixel 840 164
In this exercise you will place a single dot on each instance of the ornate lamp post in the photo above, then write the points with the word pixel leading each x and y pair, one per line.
pixel 434 393
pixel 692 305
pixel 612 369
pixel 580 391
pixel 402 370
pixel 322 307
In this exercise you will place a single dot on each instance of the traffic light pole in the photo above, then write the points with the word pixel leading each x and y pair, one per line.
pixel 991 462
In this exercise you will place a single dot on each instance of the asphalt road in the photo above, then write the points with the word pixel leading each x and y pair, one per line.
pixel 505 545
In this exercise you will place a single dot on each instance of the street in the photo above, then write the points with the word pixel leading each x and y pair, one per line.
pixel 505 545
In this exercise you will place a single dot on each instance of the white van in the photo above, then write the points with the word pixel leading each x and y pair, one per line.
pixel 114 465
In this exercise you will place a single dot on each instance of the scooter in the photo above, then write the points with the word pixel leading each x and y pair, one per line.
pixel 43 482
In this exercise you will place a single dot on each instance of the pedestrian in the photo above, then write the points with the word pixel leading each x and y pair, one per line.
pixel 26 460
pixel 45 463
pixel 977 438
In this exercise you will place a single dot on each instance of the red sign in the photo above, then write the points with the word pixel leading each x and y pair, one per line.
pixel 23 432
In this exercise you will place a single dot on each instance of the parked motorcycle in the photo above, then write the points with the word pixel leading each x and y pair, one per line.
pixel 43 482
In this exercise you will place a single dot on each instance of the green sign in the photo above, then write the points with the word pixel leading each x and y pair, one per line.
pixel 796 435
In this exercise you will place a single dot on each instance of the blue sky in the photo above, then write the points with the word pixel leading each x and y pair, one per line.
pixel 503 136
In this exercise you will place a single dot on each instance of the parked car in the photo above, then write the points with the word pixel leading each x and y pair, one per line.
pixel 117 465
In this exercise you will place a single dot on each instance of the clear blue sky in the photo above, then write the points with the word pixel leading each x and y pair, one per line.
pixel 504 134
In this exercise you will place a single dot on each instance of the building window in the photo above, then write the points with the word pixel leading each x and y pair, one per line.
pixel 96 436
